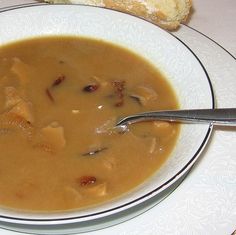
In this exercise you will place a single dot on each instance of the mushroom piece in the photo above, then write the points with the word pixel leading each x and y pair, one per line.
pixel 109 163
pixel 100 81
pixel 50 139
pixel 150 143
pixel 153 145
pixel 161 125
pixel 12 97
pixel 96 189
pixel 21 69
pixel 163 128
pixel 143 95
pixel 54 134
pixel 18 105
pixel 71 195
pixel 10 121
pixel 107 127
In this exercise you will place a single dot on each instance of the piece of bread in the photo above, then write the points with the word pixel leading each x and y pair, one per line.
pixel 168 14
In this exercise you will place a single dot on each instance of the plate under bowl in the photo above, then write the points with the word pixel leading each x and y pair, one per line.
pixel 182 68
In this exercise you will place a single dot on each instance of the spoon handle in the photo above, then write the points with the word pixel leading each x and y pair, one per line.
pixel 225 117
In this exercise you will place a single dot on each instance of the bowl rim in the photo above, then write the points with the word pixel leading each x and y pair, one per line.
pixel 125 206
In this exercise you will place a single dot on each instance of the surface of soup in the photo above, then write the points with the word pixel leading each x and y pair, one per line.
pixel 59 100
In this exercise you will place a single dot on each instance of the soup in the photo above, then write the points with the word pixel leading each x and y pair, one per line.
pixel 60 98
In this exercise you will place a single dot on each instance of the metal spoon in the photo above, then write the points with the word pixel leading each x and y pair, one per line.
pixel 223 117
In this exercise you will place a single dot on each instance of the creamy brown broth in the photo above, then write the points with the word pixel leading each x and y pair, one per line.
pixel 59 100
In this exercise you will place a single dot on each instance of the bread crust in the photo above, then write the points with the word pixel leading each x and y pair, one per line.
pixel 168 14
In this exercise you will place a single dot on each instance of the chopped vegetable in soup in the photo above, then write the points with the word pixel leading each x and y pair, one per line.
pixel 60 98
